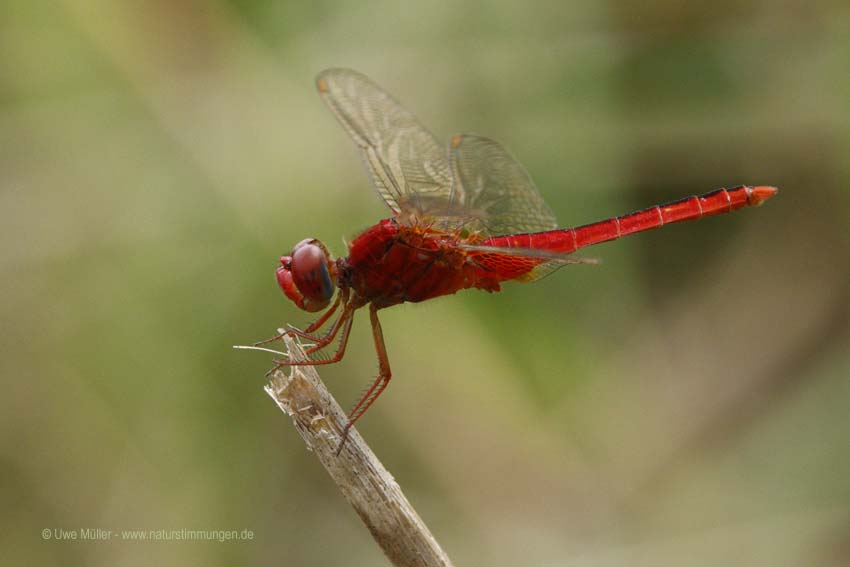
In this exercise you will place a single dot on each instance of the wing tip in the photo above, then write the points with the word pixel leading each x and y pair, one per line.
pixel 323 77
pixel 472 138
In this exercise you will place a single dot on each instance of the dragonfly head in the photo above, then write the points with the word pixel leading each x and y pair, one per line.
pixel 308 275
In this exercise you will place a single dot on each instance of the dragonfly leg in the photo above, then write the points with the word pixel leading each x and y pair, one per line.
pixel 380 383
pixel 312 327
pixel 344 322
pixel 330 335
pixel 319 340
pixel 317 324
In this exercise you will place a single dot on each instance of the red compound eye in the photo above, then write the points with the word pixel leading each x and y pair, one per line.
pixel 307 277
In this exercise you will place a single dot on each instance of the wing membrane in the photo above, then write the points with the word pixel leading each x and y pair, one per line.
pixel 521 264
pixel 492 188
pixel 475 184
pixel 408 166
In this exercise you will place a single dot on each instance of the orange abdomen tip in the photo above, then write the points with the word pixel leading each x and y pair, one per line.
pixel 758 195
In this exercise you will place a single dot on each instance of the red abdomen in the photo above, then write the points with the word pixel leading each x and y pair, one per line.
pixel 566 240
pixel 391 263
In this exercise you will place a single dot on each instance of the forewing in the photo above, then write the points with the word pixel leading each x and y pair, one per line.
pixel 409 167
pixel 493 191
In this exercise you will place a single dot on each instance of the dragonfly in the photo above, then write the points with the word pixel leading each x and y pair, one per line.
pixel 465 215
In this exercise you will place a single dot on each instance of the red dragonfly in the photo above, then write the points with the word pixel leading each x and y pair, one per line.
pixel 466 215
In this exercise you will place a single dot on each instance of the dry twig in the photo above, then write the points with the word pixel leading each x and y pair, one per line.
pixel 361 477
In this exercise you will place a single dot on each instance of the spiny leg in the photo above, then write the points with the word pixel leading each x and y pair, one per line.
pixel 312 327
pixel 328 338
pixel 380 382
pixel 345 320
pixel 322 341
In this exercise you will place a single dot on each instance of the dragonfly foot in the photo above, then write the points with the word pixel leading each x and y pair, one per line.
pixel 278 337
pixel 345 431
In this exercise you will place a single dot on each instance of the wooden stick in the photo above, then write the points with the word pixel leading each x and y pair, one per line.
pixel 358 473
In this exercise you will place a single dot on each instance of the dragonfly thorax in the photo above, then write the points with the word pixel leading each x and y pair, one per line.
pixel 308 275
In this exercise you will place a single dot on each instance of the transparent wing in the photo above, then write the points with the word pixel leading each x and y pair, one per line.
pixel 492 191
pixel 521 264
pixel 409 167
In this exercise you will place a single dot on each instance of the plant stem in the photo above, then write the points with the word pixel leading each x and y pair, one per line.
pixel 360 476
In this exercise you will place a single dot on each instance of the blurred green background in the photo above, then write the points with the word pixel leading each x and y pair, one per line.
pixel 684 403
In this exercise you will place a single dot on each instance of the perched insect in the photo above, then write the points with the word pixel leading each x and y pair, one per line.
pixel 466 215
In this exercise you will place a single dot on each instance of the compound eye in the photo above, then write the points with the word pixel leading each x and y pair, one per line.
pixel 311 274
